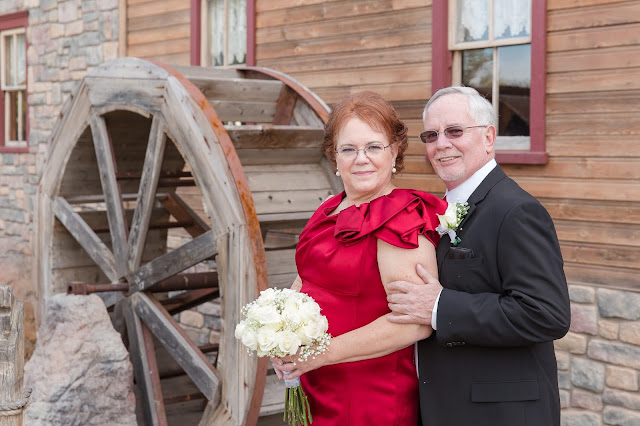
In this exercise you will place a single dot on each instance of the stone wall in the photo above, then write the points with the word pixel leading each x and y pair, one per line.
pixel 66 39
pixel 599 359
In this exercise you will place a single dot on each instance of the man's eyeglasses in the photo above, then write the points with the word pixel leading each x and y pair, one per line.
pixel 371 151
pixel 452 132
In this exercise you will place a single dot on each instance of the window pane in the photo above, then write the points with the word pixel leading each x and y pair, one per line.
pixel 8 64
pixel 237 32
pixel 512 18
pixel 514 87
pixel 477 70
pixel 16 111
pixel 472 20
pixel 216 31
pixel 20 59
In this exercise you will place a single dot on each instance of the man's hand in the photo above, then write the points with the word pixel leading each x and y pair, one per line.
pixel 413 303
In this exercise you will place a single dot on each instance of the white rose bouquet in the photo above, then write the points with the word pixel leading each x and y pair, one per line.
pixel 280 323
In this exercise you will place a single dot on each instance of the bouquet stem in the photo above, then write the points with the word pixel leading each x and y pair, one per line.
pixel 296 404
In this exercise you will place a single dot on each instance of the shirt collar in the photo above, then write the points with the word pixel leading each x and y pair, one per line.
pixel 462 192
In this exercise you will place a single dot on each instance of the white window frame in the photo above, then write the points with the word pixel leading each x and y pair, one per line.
pixel 21 89
pixel 505 143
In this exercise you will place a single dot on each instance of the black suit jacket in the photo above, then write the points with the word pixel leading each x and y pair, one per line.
pixel 505 299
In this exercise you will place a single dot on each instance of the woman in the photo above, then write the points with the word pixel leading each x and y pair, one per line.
pixel 353 245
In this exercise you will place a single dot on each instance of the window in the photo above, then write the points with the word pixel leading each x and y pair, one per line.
pixel 225 38
pixel 13 82
pixel 498 48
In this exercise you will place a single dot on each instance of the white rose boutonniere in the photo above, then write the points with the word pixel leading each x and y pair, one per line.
pixel 451 220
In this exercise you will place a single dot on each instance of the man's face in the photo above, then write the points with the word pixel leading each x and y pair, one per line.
pixel 455 160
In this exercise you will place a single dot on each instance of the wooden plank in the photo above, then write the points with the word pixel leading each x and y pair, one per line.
pixel 593 102
pixel 183 212
pixel 146 193
pixel 190 299
pixel 568 4
pixel 85 236
pixel 348 25
pixel 375 75
pixel 173 262
pixel 248 112
pixel 269 5
pixel 592 211
pixel 285 181
pixel 597 80
pixel 304 115
pixel 11 357
pixel 179 17
pixel 273 400
pixel 115 211
pixel 600 15
pixel 608 125
pixel 328 11
pixel 176 342
pixel 158 7
pixel 382 39
pixel 145 367
pixel 587 168
pixel 284 106
pixel 594 59
pixel 146 94
pixel 353 60
pixel 594 145
pixel 275 136
pixel 289 201
pixel 164 33
pixel 237 89
pixel 592 38
pixel 611 277
pixel 596 254
pixel 151 50
pixel 623 234
pixel 391 92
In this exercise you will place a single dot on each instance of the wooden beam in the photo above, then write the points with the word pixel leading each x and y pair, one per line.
pixel 86 237
pixel 191 253
pixel 183 213
pixel 284 106
pixel 145 367
pixel 113 200
pixel 176 342
pixel 146 192
pixel 190 299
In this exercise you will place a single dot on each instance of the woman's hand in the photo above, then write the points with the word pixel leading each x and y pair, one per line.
pixel 290 367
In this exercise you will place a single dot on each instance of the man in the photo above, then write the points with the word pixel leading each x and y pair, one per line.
pixel 501 298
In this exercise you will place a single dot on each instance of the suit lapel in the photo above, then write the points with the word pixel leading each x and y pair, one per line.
pixel 495 176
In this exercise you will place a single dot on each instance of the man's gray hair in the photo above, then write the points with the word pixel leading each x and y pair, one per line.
pixel 480 109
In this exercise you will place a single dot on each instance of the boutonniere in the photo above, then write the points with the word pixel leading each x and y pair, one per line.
pixel 451 220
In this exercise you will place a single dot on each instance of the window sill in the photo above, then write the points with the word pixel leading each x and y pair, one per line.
pixel 522 157
pixel 13 149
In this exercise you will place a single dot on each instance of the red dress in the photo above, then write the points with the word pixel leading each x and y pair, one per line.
pixel 336 259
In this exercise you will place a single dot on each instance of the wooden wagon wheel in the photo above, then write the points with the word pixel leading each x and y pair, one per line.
pixel 143 194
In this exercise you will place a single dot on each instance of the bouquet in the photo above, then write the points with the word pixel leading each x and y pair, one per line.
pixel 450 221
pixel 280 323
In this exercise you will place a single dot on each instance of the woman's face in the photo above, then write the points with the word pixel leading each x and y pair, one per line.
pixel 365 177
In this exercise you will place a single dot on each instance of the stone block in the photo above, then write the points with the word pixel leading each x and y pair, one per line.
pixel 582 294
pixel 622 378
pixel 212 323
pixel 614 353
pixel 565 398
pixel 563 359
pixel 572 342
pixel 110 50
pixel 210 308
pixel 199 336
pixel 584 319
pixel 56 30
pixel 73 28
pixel 587 374
pixel 630 400
pixel 587 400
pixel 630 333
pixel 620 417
pixel 192 319
pixel 618 304
pixel 579 418
pixel 564 380
pixel 68 11
pixel 214 336
pixel 608 329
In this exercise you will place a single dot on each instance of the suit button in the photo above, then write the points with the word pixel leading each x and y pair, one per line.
pixel 449 344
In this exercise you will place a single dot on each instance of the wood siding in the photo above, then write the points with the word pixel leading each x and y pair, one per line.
pixel 591 185
pixel 158 30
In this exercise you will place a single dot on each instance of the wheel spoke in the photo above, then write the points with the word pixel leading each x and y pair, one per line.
pixel 176 342
pixel 146 193
pixel 115 210
pixel 185 256
pixel 85 236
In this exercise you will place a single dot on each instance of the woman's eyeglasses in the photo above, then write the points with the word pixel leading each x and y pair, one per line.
pixel 371 151
pixel 452 132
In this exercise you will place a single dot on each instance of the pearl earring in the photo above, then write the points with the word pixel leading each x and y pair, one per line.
pixel 393 168
pixel 337 173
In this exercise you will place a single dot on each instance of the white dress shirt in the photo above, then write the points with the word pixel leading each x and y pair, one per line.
pixel 460 194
